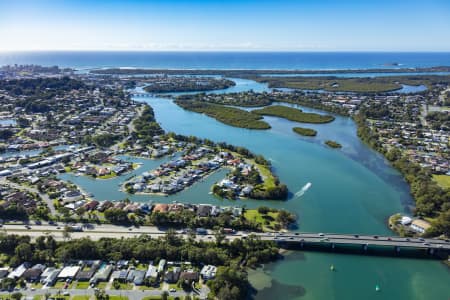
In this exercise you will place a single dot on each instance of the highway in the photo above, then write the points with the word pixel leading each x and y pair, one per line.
pixel 113 231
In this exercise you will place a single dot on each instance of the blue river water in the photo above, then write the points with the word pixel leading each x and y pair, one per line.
pixel 354 190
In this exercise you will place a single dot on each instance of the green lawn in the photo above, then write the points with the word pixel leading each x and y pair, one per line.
pixel 102 285
pixel 59 285
pixel 108 176
pixel 255 216
pixel 38 297
pixel 155 298
pixel 125 286
pixel 442 180
pixel 36 285
pixel 117 297
pixel 82 285
pixel 142 267
pixel 80 297
pixel 60 297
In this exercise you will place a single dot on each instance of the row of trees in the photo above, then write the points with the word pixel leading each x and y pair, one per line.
pixel 431 200
pixel 146 127
pixel 231 280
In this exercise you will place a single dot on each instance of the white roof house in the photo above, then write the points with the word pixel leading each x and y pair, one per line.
pixel 18 272
pixel 69 272
pixel 208 272
pixel 405 220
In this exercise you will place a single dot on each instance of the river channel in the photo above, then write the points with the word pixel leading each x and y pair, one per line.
pixel 354 190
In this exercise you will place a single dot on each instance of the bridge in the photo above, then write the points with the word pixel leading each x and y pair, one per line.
pixel 365 242
pixel 140 94
pixel 349 243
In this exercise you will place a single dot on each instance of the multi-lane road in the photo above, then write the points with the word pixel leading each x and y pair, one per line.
pixel 96 232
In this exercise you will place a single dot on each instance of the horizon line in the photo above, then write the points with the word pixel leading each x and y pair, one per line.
pixel 225 50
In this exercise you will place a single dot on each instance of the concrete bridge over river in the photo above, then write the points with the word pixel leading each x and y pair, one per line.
pixel 331 242
pixel 371 244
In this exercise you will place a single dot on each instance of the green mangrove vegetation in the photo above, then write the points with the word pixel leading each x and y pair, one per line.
pixel 432 201
pixel 244 99
pixel 228 115
pixel 361 85
pixel 333 144
pixel 304 131
pixel 293 114
pixel 352 84
pixel 164 84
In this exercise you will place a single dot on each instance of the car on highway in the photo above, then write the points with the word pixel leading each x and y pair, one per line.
pixel 422 239
pixel 426 244
pixel 172 290
pixel 356 236
pixel 321 234
pixel 375 236
pixel 27 226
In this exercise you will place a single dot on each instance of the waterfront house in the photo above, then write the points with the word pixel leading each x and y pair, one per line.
pixel 420 226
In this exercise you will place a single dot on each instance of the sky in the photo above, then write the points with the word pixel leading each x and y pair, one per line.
pixel 227 25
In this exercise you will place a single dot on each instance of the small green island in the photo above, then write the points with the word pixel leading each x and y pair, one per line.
pixel 305 131
pixel 229 115
pixel 333 144
pixel 293 114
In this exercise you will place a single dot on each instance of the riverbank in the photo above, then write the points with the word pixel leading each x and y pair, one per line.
pixel 425 191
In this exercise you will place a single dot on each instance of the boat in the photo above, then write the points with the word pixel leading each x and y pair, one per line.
pixel 332 268
pixel 377 288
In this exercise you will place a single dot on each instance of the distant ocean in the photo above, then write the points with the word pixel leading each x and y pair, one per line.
pixel 230 60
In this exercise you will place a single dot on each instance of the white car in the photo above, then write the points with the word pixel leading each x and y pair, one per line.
pixel 172 290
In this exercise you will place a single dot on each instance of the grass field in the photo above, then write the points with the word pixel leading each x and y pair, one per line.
pixel 80 297
pixel 82 285
pixel 102 285
pixel 267 221
pixel 117 297
pixel 442 180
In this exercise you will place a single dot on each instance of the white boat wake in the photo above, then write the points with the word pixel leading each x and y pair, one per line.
pixel 303 190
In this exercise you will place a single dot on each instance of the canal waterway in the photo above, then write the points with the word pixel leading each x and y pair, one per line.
pixel 354 190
